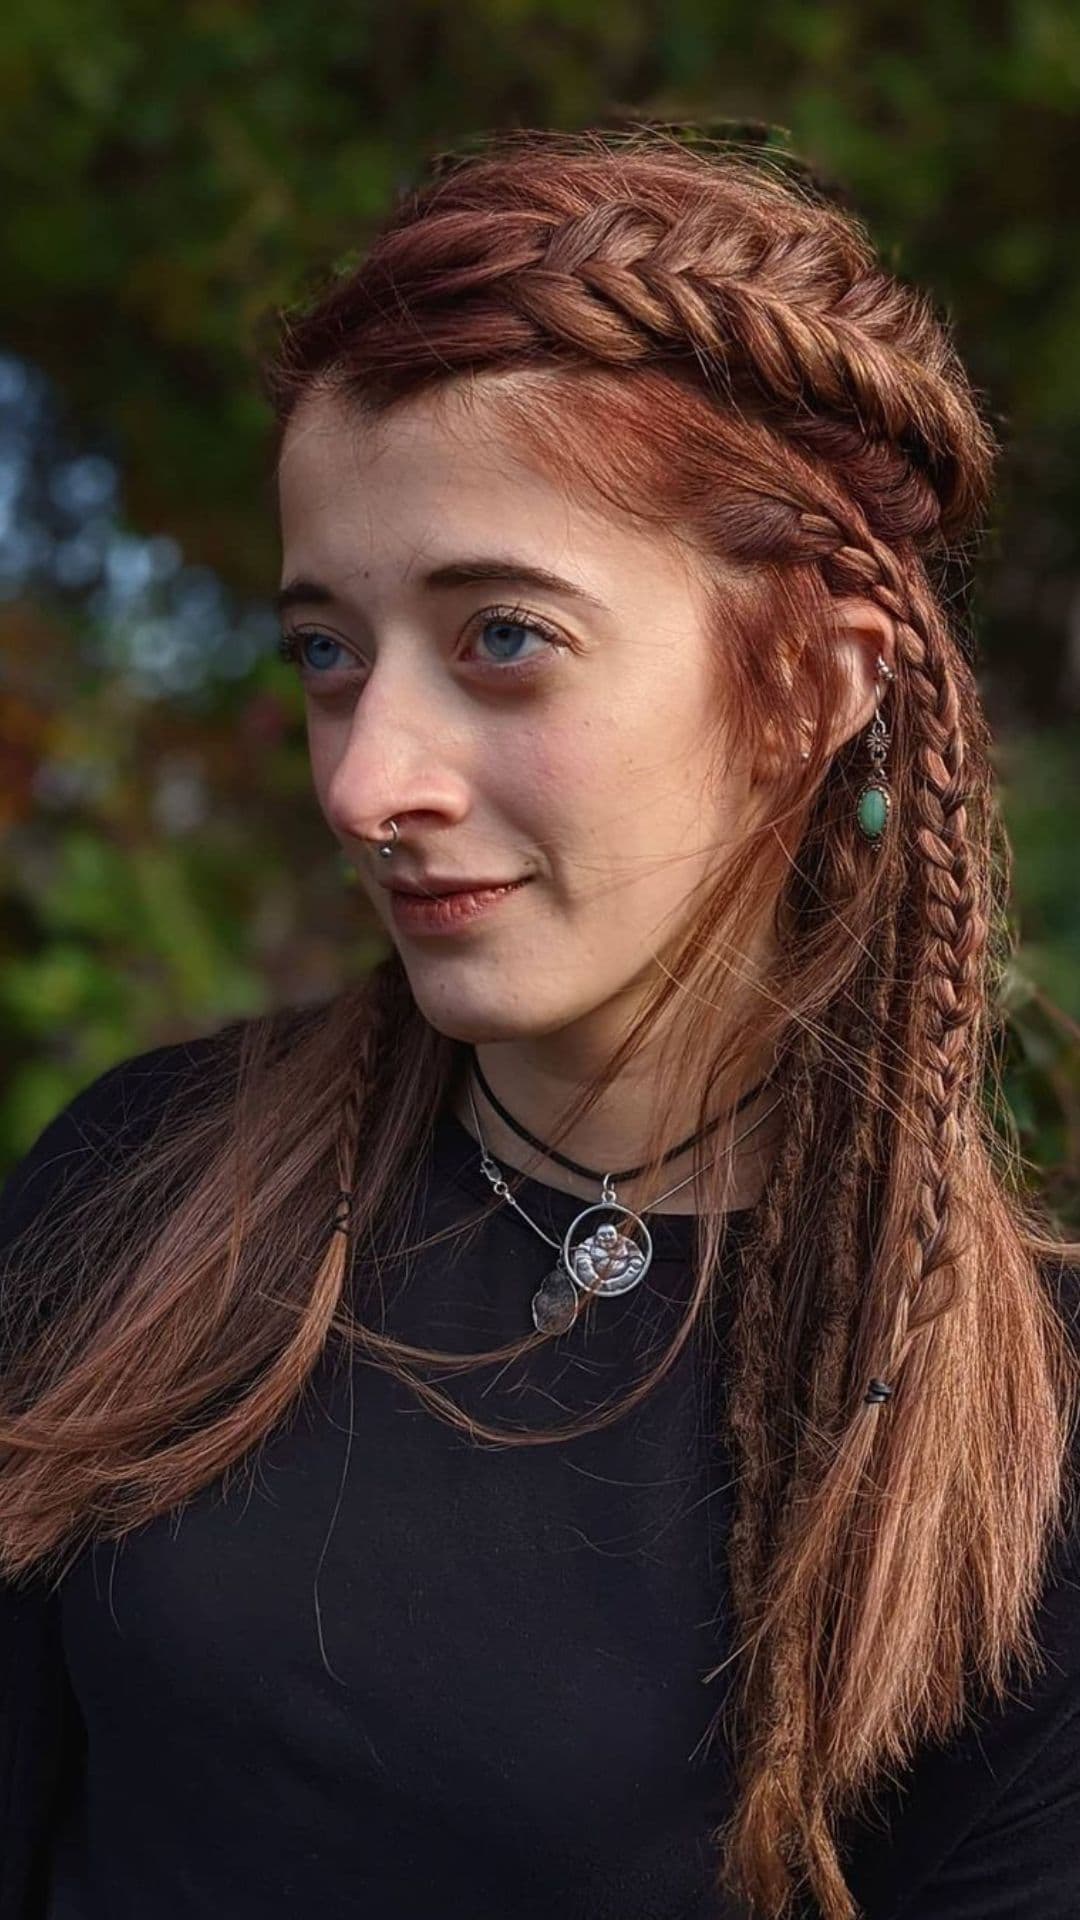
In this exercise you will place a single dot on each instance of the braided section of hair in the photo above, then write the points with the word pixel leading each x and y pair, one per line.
pixel 802 1293
pixel 763 1469
pixel 790 316
pixel 921 990
pixel 946 1010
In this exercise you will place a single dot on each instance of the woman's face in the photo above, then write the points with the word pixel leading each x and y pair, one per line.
pixel 526 686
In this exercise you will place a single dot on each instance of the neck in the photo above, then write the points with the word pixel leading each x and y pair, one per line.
pixel 536 1080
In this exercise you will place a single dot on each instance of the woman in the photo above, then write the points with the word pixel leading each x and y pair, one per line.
pixel 650 1404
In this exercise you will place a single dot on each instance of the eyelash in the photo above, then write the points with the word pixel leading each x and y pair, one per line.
pixel 289 644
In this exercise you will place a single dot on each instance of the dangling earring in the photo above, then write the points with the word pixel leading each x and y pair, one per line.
pixel 874 804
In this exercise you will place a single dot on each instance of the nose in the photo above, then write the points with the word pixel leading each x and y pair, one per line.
pixel 397 764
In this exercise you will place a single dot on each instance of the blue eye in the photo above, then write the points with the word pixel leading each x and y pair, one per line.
pixel 503 633
pixel 294 646
pixel 506 636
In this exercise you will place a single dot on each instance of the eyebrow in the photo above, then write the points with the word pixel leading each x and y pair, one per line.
pixel 456 573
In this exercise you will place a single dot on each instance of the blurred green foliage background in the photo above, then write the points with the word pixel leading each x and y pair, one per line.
pixel 176 169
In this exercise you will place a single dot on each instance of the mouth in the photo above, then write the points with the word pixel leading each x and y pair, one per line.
pixel 439 886
pixel 444 889
pixel 440 908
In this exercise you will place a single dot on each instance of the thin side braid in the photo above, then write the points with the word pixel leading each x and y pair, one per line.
pixel 777 1707
pixel 954 911
pixel 762 1469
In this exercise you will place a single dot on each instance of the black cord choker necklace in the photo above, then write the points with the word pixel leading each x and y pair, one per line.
pixel 588 1173
pixel 607 1247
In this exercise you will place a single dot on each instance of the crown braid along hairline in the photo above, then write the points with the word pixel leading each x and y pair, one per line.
pixel 623 283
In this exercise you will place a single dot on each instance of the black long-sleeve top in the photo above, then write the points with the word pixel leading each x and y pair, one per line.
pixel 393 1673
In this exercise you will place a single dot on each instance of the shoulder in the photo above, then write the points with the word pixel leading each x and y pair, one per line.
pixel 118 1110
pixel 118 1113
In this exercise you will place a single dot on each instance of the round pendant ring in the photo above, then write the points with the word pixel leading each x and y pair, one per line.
pixel 606 1255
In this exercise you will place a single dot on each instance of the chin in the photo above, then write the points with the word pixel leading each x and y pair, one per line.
pixel 479 1025
pixel 482 1018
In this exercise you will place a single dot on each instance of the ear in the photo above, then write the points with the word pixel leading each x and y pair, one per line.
pixel 864 635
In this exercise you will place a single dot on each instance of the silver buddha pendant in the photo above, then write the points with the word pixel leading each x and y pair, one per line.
pixel 614 1256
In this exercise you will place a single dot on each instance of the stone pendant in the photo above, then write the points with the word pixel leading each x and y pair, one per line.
pixel 554 1304
pixel 872 812
pixel 875 801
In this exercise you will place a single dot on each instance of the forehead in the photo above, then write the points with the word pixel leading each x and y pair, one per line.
pixel 439 474
pixel 432 455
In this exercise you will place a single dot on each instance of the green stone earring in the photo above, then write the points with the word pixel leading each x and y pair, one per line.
pixel 875 801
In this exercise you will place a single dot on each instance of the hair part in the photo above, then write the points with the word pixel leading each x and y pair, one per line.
pixel 800 420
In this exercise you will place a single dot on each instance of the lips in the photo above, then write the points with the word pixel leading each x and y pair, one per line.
pixel 441 889
pixel 441 913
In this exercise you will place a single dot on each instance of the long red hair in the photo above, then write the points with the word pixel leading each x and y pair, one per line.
pixel 702 341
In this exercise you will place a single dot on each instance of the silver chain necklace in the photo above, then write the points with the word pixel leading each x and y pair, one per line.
pixel 613 1256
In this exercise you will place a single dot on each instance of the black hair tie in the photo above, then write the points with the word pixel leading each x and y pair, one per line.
pixel 876 1393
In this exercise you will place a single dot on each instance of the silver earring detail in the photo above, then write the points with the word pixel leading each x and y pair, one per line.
pixel 874 804
pixel 387 847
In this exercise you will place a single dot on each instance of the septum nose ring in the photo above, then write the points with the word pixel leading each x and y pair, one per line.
pixel 387 846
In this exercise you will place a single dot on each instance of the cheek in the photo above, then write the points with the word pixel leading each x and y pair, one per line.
pixel 613 804
pixel 539 774
pixel 619 770
pixel 327 742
